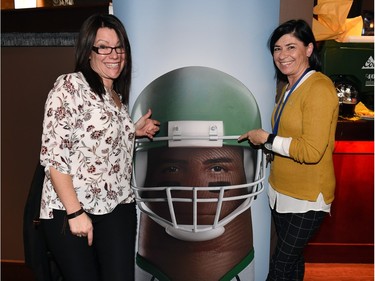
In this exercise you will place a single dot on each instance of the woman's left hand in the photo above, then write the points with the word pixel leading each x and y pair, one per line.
pixel 146 127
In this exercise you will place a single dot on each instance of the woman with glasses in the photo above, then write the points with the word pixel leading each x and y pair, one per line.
pixel 87 210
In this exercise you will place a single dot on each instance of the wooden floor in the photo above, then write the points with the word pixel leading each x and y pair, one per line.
pixel 11 271
pixel 339 272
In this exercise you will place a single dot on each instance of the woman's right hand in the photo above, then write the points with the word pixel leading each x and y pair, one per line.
pixel 256 137
pixel 81 226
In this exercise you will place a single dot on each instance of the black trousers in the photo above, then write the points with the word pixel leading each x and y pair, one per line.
pixel 294 230
pixel 110 258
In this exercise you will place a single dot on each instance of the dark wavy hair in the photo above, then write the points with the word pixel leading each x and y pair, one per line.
pixel 85 41
pixel 302 31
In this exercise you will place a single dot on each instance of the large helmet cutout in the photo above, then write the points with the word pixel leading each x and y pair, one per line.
pixel 202 113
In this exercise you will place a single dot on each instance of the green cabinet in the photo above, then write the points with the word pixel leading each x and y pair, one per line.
pixel 353 62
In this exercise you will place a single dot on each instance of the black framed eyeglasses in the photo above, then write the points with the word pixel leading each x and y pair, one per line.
pixel 106 50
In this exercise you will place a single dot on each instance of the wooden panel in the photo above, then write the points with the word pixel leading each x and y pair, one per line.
pixel 355 130
pixel 16 271
pixel 335 272
pixel 29 76
pixel 296 9
pixel 348 234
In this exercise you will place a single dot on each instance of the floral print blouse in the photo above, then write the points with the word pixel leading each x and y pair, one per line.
pixel 91 140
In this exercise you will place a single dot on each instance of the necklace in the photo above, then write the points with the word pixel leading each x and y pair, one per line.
pixel 116 98
pixel 113 93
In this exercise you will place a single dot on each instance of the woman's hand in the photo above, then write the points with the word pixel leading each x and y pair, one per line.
pixel 63 184
pixel 256 137
pixel 146 127
pixel 81 226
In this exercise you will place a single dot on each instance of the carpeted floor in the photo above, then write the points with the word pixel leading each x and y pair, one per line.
pixel 339 272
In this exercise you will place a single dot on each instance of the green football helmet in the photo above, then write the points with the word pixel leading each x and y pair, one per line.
pixel 197 107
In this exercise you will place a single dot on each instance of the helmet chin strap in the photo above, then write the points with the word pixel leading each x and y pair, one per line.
pixel 194 236
pixel 196 233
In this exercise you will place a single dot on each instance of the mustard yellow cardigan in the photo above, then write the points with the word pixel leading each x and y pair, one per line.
pixel 309 118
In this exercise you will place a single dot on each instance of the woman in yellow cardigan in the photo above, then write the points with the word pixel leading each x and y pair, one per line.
pixel 302 180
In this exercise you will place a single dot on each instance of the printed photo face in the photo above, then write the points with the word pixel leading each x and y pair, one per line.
pixel 195 167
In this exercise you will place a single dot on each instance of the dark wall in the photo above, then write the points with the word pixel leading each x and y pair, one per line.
pixel 37 47
pixel 27 75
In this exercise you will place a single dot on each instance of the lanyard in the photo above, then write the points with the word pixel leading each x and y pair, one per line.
pixel 281 105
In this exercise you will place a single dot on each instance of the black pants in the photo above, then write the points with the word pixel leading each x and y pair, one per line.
pixel 110 258
pixel 294 232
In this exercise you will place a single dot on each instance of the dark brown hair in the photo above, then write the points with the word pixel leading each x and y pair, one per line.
pixel 302 31
pixel 85 42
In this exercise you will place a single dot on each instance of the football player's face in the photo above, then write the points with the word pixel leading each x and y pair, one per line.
pixel 197 167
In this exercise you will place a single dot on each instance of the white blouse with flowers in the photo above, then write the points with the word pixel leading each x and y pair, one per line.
pixel 91 140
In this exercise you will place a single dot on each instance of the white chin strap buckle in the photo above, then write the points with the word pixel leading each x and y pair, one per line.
pixel 194 236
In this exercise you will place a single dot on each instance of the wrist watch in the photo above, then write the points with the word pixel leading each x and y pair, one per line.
pixel 268 144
